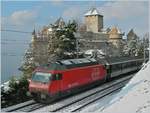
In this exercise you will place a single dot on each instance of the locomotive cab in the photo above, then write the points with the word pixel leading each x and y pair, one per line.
pixel 40 85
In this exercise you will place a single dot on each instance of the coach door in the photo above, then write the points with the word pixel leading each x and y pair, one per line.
pixel 108 68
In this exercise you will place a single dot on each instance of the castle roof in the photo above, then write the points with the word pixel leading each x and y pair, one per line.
pixel 60 22
pixel 131 35
pixel 115 30
pixel 33 33
pixel 115 33
pixel 92 12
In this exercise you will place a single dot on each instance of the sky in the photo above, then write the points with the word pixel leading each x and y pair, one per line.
pixel 27 15
pixel 30 14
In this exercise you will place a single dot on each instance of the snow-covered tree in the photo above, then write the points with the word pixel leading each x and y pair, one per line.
pixel 62 40
pixel 145 44
pixel 16 92
pixel 132 44
pixel 29 63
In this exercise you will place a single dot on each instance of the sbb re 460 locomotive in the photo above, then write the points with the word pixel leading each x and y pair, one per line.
pixel 66 77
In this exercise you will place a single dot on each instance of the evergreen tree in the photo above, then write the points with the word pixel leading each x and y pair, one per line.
pixel 17 92
pixel 29 63
pixel 132 45
pixel 144 45
pixel 62 40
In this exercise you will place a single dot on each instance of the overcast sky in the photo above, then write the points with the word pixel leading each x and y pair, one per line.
pixel 125 15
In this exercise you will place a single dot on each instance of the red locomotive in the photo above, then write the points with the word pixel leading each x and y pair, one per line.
pixel 65 77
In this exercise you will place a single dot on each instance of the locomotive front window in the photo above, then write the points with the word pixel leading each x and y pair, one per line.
pixel 41 77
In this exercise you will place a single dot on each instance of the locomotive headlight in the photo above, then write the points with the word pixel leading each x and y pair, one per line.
pixel 43 96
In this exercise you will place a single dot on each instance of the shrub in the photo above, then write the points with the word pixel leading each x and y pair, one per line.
pixel 17 93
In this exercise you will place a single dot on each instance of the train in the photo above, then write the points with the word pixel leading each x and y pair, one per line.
pixel 65 77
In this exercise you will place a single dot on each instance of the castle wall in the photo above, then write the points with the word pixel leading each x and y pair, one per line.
pixel 90 40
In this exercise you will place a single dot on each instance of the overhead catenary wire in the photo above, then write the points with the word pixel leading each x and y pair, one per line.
pixel 23 42
pixel 24 54
pixel 9 30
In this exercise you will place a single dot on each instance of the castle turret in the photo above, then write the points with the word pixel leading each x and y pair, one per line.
pixel 33 36
pixel 94 21
pixel 60 23
pixel 115 37
pixel 131 35
pixel 115 33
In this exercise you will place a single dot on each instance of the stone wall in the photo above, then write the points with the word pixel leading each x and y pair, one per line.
pixel 89 40
pixel 93 36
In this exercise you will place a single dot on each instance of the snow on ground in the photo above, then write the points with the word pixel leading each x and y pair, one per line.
pixel 99 104
pixel 134 97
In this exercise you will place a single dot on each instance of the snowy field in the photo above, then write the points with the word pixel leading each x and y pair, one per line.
pixel 133 98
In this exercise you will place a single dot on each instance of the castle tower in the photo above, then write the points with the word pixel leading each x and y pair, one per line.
pixel 33 36
pixel 93 21
pixel 131 35
pixel 115 37
pixel 115 34
pixel 60 23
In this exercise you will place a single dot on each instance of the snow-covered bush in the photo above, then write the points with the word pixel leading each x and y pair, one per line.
pixel 15 91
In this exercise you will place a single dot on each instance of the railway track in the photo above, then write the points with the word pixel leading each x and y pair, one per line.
pixel 21 105
pixel 27 106
pixel 31 108
pixel 95 97
pixel 79 101
pixel 72 103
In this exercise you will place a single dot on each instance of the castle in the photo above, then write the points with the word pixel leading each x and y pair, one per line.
pixel 96 37
pixel 93 37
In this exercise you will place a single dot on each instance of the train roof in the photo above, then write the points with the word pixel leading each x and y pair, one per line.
pixel 71 63
pixel 77 61
pixel 115 60
pixel 81 62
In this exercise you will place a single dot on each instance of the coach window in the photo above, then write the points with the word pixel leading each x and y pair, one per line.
pixel 114 67
pixel 129 64
pixel 123 65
